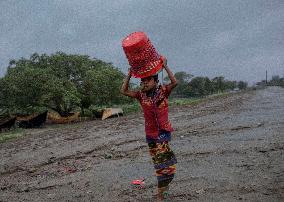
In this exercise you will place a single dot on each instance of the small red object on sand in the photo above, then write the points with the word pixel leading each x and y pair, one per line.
pixel 138 182
pixel 143 58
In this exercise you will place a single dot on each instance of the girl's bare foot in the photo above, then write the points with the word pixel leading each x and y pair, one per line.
pixel 162 193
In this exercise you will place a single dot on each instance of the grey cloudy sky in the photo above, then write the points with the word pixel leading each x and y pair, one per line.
pixel 238 39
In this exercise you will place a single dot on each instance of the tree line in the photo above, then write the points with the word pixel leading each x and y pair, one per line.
pixel 190 86
pixel 276 80
pixel 60 82
pixel 69 82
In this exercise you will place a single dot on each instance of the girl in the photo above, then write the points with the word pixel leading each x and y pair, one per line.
pixel 153 99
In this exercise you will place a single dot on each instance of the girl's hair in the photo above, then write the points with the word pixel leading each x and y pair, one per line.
pixel 156 77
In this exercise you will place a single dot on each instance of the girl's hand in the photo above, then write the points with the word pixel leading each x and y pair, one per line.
pixel 129 72
pixel 165 61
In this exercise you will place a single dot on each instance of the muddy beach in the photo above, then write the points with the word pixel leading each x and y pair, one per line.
pixel 228 149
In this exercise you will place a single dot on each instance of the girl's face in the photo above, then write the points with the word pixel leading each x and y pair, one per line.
pixel 148 83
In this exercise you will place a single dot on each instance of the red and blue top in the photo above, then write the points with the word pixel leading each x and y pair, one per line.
pixel 155 109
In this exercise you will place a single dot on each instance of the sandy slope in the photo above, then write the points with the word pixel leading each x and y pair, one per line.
pixel 228 149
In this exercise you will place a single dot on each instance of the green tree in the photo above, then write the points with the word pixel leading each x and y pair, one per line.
pixel 276 81
pixel 219 84
pixel 28 89
pixel 103 86
pixel 230 85
pixel 200 86
pixel 182 89
pixel 242 85
pixel 61 82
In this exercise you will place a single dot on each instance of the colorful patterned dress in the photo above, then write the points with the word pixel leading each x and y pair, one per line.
pixel 158 133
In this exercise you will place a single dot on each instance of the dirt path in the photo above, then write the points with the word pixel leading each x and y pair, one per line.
pixel 228 149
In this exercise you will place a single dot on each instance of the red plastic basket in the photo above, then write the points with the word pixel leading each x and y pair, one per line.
pixel 142 56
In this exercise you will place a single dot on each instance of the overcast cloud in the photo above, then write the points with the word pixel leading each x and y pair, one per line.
pixel 238 39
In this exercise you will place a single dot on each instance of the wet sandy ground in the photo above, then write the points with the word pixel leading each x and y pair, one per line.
pixel 228 149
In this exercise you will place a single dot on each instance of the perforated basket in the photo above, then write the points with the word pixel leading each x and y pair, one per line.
pixel 142 57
